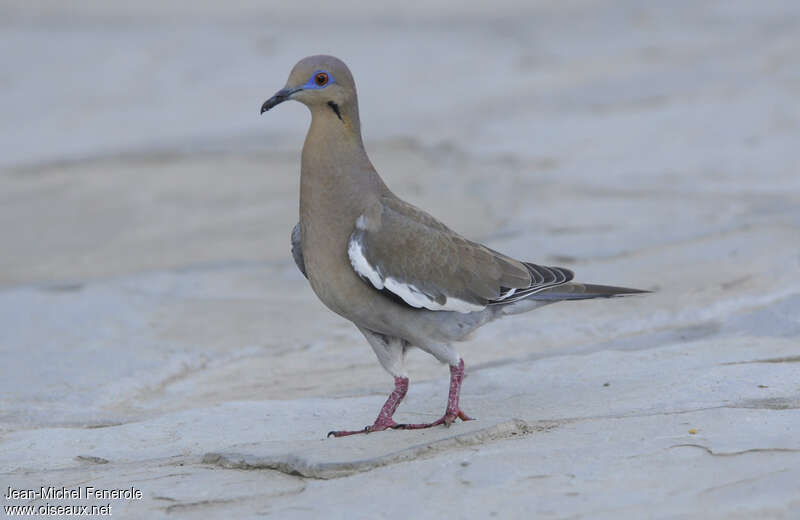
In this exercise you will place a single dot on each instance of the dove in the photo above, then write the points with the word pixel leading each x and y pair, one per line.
pixel 403 278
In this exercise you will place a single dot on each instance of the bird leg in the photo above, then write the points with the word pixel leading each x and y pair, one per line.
pixel 384 420
pixel 453 411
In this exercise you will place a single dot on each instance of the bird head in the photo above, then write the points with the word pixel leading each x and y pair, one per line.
pixel 321 83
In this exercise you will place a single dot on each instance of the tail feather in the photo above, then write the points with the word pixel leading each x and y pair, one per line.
pixel 583 291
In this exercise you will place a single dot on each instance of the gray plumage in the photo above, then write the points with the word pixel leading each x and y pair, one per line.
pixel 297 249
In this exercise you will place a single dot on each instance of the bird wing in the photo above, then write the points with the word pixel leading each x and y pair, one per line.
pixel 297 250
pixel 403 250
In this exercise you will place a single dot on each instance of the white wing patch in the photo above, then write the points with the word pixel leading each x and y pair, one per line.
pixel 409 293
pixel 359 262
pixel 414 297
pixel 507 294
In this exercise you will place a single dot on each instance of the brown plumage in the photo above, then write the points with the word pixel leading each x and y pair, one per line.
pixel 401 276
pixel 404 242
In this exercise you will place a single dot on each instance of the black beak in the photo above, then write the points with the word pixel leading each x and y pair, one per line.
pixel 279 97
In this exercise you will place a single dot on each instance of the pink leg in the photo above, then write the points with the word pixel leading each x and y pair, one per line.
pixel 384 419
pixel 453 411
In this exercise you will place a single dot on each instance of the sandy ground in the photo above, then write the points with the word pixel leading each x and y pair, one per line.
pixel 155 333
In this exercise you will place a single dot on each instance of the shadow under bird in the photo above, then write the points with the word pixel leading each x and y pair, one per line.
pixel 401 276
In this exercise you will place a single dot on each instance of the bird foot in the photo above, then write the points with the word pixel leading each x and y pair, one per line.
pixel 447 419
pixel 378 426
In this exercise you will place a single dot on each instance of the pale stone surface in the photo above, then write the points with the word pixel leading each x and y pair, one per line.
pixel 155 332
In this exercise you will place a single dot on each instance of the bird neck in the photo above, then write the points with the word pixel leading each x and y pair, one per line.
pixel 336 173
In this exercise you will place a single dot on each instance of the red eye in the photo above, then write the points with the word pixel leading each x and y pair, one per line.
pixel 321 79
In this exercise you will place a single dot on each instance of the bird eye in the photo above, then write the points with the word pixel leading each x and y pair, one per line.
pixel 321 79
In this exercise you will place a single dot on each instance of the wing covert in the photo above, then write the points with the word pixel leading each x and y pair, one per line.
pixel 407 252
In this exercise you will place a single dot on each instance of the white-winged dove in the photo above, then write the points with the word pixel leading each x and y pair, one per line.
pixel 401 276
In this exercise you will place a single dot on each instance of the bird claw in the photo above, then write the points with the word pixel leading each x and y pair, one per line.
pixel 378 426
pixel 447 420
pixel 345 433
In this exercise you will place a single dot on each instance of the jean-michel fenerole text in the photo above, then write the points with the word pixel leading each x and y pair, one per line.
pixel 75 493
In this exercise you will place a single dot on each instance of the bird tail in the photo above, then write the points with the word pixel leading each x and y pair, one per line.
pixel 567 291
pixel 583 291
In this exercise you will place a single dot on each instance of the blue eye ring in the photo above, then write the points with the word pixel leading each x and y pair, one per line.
pixel 320 79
